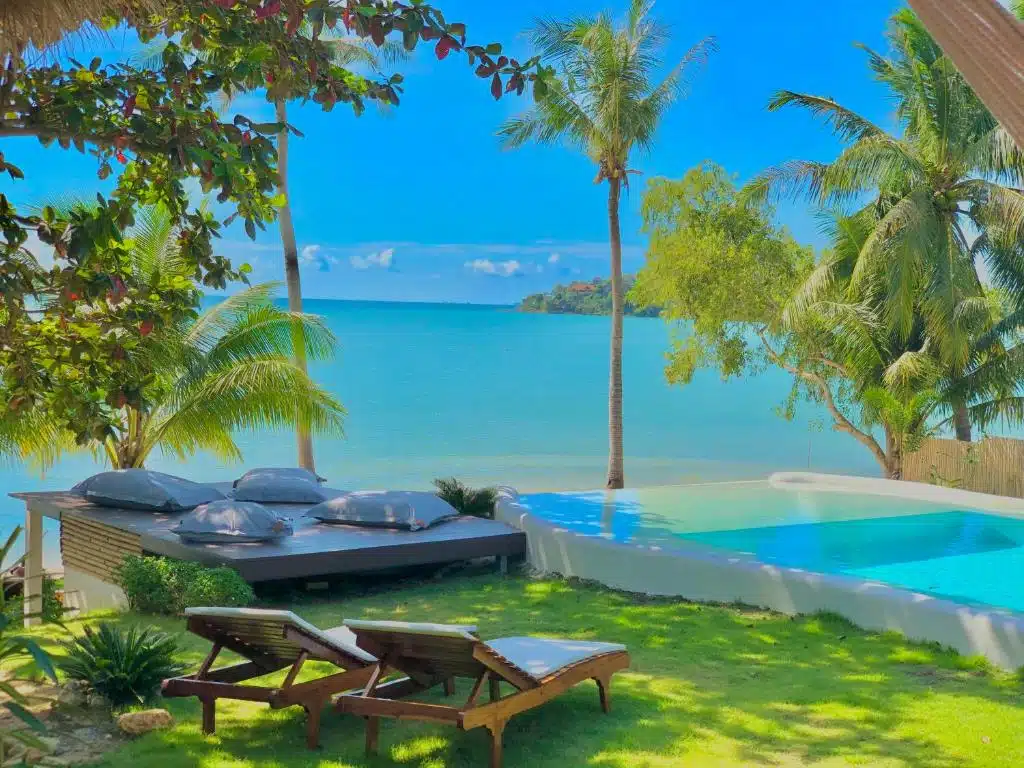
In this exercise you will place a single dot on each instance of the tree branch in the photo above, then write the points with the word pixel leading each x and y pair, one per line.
pixel 840 422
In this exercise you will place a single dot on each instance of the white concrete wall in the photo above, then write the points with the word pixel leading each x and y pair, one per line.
pixel 700 574
pixel 84 592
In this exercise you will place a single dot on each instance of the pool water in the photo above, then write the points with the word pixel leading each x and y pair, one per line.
pixel 963 555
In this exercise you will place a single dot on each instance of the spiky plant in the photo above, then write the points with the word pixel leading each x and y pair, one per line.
pixel 476 502
pixel 124 666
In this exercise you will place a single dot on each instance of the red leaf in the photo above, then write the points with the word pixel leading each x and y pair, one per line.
pixel 443 48
pixel 269 9
pixel 226 4
pixel 512 85
pixel 294 20
pixel 146 327
pixel 496 86
pixel 121 158
pixel 129 106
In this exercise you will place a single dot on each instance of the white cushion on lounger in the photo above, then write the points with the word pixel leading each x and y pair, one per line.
pixel 541 657
pixel 438 630
pixel 338 637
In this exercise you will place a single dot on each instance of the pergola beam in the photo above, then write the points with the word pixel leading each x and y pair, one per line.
pixel 986 42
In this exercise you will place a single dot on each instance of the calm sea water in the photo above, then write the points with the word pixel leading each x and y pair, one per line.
pixel 495 396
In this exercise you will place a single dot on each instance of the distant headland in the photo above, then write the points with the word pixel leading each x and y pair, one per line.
pixel 582 297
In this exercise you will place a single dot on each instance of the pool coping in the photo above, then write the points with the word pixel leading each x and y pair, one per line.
pixel 717 576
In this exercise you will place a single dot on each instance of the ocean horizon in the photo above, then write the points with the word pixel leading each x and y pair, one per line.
pixel 491 395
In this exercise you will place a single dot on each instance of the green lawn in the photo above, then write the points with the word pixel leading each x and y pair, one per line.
pixel 709 686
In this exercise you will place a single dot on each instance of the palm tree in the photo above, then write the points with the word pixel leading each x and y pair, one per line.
pixel 951 172
pixel 605 103
pixel 345 51
pixel 231 369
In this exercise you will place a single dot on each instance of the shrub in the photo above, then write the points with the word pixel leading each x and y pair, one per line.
pixel 146 584
pixel 124 666
pixel 217 587
pixel 161 585
pixel 53 608
pixel 478 502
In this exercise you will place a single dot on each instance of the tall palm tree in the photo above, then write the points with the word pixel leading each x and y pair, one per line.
pixel 952 171
pixel 606 103
pixel 231 369
pixel 346 51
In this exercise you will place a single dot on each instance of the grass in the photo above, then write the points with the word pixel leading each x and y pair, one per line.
pixel 709 686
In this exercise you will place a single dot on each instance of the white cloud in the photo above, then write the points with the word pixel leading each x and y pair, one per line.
pixel 380 260
pixel 309 254
pixel 509 268
pixel 554 258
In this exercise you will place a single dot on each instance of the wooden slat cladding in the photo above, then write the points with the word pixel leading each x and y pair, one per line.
pixel 995 465
pixel 94 548
pixel 986 43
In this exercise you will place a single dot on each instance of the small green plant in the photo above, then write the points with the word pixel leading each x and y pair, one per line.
pixel 220 587
pixel 53 608
pixel 125 667
pixel 13 650
pixel 164 586
pixel 477 502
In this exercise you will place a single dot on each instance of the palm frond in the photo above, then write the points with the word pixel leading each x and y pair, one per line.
pixel 845 123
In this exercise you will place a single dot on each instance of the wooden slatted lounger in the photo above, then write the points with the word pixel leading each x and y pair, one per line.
pixel 271 641
pixel 432 654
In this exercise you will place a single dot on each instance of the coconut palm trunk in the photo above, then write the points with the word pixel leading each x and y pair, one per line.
pixel 303 436
pixel 962 423
pixel 616 470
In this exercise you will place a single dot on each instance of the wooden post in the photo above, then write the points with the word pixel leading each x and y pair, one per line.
pixel 33 585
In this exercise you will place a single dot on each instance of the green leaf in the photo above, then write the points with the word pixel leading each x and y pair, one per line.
pixel 279 200
pixel 25 716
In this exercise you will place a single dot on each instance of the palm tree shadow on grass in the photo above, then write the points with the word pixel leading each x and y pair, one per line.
pixel 707 684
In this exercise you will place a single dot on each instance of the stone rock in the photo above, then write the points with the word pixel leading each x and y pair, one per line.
pixel 73 695
pixel 137 723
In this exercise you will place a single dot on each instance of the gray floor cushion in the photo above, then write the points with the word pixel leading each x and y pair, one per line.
pixel 278 473
pixel 408 510
pixel 273 486
pixel 232 521
pixel 146 490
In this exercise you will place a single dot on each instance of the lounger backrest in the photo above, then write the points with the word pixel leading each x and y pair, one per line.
pixel 273 636
pixel 430 653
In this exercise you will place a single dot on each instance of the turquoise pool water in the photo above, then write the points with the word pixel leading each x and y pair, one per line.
pixel 963 555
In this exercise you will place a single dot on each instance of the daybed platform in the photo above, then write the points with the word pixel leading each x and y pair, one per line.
pixel 94 541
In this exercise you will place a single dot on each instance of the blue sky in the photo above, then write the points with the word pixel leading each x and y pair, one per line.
pixel 421 204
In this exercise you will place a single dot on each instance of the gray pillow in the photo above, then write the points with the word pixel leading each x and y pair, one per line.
pixel 279 473
pixel 232 522
pixel 279 487
pixel 145 490
pixel 407 510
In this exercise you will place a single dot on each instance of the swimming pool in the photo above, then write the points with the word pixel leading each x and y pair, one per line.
pixel 933 548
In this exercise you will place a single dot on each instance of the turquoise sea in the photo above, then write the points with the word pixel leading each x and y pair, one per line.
pixel 491 395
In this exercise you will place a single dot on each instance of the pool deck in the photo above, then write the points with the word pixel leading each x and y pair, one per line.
pixel 103 534
pixel 706 574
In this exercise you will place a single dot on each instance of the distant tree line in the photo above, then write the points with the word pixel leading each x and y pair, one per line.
pixel 584 297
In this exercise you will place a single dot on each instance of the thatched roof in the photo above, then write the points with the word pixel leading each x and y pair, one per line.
pixel 41 23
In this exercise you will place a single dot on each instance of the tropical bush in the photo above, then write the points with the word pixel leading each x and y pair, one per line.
pixel 165 586
pixel 53 607
pixel 14 650
pixel 124 666
pixel 477 502
pixel 217 587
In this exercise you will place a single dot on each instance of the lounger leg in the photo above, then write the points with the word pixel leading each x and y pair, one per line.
pixel 209 716
pixel 372 733
pixel 604 691
pixel 449 686
pixel 496 730
pixel 495 688
pixel 313 711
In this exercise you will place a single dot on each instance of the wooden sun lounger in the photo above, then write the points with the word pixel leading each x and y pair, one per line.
pixel 433 654
pixel 271 641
